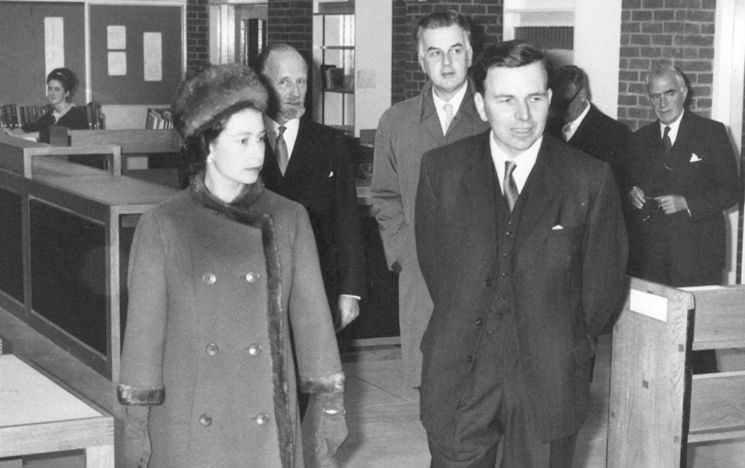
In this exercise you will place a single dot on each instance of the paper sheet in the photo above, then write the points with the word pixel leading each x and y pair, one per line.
pixel 54 43
pixel 152 53
pixel 28 397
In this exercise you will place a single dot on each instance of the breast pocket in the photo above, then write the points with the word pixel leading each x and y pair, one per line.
pixel 562 247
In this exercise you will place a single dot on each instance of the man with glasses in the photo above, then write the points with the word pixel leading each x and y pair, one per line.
pixel 443 113
pixel 577 121
pixel 683 175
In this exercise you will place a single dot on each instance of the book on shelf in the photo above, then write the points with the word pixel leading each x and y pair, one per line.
pixel 159 119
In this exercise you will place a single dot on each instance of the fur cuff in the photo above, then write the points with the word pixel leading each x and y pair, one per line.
pixel 129 395
pixel 333 383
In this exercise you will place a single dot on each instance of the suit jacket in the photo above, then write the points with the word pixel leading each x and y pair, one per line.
pixel 701 167
pixel 405 132
pixel 214 296
pixel 601 137
pixel 320 177
pixel 564 283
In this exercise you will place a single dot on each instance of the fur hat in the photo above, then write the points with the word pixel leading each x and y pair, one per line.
pixel 216 89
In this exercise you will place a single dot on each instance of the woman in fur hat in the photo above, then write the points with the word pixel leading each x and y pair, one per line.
pixel 220 276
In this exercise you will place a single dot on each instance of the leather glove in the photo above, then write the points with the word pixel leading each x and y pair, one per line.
pixel 136 453
pixel 324 425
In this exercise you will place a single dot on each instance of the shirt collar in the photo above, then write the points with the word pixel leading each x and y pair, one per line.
pixel 524 161
pixel 455 101
pixel 571 127
pixel 292 127
pixel 674 127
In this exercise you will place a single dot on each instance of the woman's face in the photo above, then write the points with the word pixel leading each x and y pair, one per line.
pixel 56 92
pixel 237 154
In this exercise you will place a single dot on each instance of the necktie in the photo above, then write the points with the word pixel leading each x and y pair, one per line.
pixel 448 108
pixel 280 149
pixel 666 140
pixel 510 187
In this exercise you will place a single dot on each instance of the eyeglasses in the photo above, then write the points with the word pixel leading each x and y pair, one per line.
pixel 438 55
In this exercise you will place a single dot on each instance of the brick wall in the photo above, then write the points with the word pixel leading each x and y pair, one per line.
pixel 408 79
pixel 291 21
pixel 680 32
pixel 197 35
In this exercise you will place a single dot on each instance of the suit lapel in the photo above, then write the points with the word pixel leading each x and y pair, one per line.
pixel 478 179
pixel 540 192
pixel 304 146
pixel 678 153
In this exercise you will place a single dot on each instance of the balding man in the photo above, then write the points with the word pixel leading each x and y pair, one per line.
pixel 309 163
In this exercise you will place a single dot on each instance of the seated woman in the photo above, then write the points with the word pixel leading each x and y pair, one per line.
pixel 61 85
pixel 221 277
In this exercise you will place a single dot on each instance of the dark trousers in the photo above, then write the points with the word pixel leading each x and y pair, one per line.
pixel 660 266
pixel 493 418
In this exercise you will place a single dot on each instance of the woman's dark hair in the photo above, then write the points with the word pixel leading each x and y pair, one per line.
pixel 66 77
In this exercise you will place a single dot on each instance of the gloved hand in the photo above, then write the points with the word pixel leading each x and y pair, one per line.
pixel 324 426
pixel 136 450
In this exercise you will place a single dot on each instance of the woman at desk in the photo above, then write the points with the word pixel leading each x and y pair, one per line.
pixel 61 85
pixel 220 276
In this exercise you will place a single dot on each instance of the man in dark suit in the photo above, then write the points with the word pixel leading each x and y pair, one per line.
pixel 309 163
pixel 522 245
pixel 578 122
pixel 683 175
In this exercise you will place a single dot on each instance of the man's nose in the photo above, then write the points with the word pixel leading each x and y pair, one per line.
pixel 522 111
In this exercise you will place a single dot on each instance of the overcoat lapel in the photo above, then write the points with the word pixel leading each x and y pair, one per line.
pixel 540 192
pixel 430 120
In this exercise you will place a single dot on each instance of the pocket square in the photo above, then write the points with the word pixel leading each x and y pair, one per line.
pixel 694 158
pixel 558 227
pixel 331 174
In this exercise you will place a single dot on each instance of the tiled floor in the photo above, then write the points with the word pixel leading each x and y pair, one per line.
pixel 383 419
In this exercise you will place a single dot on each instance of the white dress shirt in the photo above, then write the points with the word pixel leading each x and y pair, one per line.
pixel 524 162
pixel 454 101
pixel 291 130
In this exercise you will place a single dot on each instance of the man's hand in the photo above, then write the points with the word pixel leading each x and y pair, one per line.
pixel 672 203
pixel 636 197
pixel 349 309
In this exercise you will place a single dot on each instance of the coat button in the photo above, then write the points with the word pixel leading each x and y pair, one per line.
pixel 469 359
pixel 479 322
pixel 261 419
pixel 252 277
pixel 205 420
pixel 487 282
pixel 254 349
pixel 209 279
pixel 212 349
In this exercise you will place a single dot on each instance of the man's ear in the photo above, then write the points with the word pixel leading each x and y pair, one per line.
pixel 478 99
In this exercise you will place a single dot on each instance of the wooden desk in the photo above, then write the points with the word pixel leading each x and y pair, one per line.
pixel 657 407
pixel 39 416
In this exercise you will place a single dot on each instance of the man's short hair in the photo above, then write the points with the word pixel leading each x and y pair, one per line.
pixel 568 74
pixel 666 69
pixel 510 54
pixel 275 47
pixel 442 19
